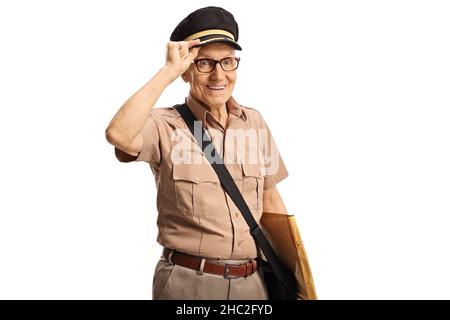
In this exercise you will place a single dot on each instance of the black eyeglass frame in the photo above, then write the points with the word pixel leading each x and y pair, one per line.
pixel 238 59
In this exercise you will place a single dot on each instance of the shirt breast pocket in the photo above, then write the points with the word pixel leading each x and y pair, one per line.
pixel 252 187
pixel 197 190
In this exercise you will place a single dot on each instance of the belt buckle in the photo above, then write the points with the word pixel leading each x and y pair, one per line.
pixel 226 270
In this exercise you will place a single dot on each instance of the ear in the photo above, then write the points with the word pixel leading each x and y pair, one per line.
pixel 185 76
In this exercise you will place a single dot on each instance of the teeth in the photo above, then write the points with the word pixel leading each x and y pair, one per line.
pixel 216 88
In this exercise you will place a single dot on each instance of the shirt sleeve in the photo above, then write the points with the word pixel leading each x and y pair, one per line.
pixel 150 152
pixel 275 170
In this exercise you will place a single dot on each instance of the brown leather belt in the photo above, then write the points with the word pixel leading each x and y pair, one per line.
pixel 227 271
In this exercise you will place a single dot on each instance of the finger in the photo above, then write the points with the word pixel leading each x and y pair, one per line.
pixel 172 44
pixel 173 47
pixel 192 43
pixel 183 49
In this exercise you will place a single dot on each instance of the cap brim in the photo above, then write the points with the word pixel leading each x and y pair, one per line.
pixel 218 38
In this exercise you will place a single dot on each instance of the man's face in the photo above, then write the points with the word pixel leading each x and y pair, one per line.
pixel 212 88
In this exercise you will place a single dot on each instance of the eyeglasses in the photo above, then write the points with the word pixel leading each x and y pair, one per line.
pixel 208 65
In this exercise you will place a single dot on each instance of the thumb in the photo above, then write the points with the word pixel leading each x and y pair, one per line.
pixel 193 53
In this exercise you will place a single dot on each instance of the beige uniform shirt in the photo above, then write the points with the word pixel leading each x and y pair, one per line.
pixel 195 214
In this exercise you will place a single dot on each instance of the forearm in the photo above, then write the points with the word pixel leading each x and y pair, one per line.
pixel 272 202
pixel 130 118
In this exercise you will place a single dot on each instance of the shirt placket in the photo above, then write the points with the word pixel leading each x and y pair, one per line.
pixel 239 226
pixel 238 222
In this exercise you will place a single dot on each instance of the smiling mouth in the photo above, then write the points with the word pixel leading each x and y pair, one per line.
pixel 216 88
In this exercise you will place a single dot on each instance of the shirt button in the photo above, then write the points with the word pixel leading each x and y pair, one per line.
pixel 237 214
pixel 240 243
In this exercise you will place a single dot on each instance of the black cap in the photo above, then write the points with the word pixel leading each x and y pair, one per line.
pixel 210 25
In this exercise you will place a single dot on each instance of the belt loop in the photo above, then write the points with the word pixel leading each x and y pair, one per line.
pixel 248 268
pixel 202 266
pixel 254 265
pixel 169 256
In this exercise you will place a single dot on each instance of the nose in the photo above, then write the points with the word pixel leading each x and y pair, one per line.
pixel 217 73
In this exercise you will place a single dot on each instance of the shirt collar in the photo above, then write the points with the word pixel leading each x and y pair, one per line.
pixel 200 111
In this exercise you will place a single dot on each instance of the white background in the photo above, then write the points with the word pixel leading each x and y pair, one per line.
pixel 356 94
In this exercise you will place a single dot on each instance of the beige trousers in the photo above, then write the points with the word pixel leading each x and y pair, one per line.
pixel 173 282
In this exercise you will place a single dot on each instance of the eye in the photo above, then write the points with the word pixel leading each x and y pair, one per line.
pixel 205 63
pixel 228 61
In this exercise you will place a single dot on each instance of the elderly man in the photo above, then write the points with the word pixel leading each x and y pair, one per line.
pixel 199 227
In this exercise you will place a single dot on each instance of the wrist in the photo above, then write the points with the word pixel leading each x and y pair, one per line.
pixel 169 72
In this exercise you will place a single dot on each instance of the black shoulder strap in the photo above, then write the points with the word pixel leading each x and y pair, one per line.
pixel 230 187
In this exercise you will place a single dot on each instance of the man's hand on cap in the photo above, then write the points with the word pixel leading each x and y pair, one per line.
pixel 180 55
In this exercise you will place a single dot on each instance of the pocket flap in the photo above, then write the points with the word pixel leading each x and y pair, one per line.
pixel 252 170
pixel 196 173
